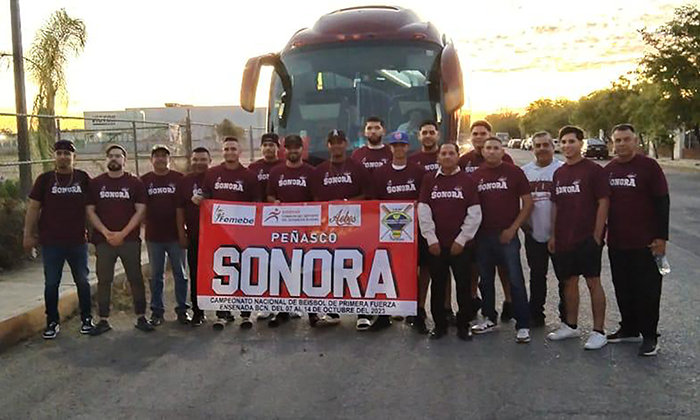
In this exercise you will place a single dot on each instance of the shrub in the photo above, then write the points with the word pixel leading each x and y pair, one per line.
pixel 9 189
pixel 12 222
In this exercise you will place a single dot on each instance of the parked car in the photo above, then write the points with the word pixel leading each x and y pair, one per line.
pixel 595 148
pixel 515 143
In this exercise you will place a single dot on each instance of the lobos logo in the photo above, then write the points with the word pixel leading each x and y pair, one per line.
pixel 344 215
pixel 233 214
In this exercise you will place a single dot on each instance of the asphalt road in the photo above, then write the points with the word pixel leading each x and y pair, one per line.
pixel 297 372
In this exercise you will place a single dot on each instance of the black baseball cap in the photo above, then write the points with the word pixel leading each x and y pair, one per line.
pixel 337 134
pixel 64 145
pixel 270 137
pixel 159 147
pixel 293 140
pixel 115 146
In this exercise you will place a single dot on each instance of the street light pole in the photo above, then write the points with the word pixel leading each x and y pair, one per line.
pixel 25 171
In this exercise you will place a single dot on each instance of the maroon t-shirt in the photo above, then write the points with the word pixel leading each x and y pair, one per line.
pixel 576 191
pixel 161 223
pixel 500 189
pixel 398 184
pixel 449 197
pixel 340 181
pixel 225 184
pixel 633 186
pixel 291 185
pixel 115 202
pixel 190 185
pixel 261 168
pixel 372 159
pixel 427 160
pixel 471 161
pixel 63 198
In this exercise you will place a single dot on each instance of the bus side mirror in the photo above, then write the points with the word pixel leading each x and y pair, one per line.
pixel 452 81
pixel 251 74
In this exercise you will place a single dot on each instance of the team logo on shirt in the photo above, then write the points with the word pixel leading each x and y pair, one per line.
pixel 628 181
pixel 431 167
pixel 169 189
pixel 373 165
pixel 410 185
pixel 291 182
pixel 232 186
pixel 197 190
pixel 469 168
pixel 121 194
pixel 263 176
pixel 72 189
pixel 345 178
pixel 340 215
pixel 454 193
pixel 396 222
pixel 500 184
pixel 574 188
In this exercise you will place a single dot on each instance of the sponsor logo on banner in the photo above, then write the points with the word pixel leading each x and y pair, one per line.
pixel 349 215
pixel 396 222
pixel 292 215
pixel 233 214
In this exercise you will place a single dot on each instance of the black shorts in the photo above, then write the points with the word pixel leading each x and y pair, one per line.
pixel 423 253
pixel 583 260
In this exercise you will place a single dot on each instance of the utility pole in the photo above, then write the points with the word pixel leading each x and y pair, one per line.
pixel 188 138
pixel 25 170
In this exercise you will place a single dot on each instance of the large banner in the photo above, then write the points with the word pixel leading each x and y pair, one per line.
pixel 342 257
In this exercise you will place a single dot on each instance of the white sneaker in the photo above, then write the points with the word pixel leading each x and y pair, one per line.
pixel 523 336
pixel 596 341
pixel 263 315
pixel 295 315
pixel 563 333
pixel 485 327
pixel 325 320
pixel 363 324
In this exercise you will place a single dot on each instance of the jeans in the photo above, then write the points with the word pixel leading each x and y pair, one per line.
pixel 491 253
pixel 440 276
pixel 538 257
pixel 192 256
pixel 54 257
pixel 156 258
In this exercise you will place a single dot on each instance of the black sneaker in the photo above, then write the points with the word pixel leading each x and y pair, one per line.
pixel 87 326
pixel 437 333
pixel 221 322
pixel 184 318
pixel 51 331
pixel 410 320
pixel 278 319
pixel 464 333
pixel 381 323
pixel 451 318
pixel 507 313
pixel 246 323
pixel 101 327
pixel 198 320
pixel 144 325
pixel 156 320
pixel 313 320
pixel 419 326
pixel 621 336
pixel 649 347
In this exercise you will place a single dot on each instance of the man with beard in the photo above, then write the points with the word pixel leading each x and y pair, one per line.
pixel 269 145
pixel 230 181
pixel 116 207
pixel 374 154
pixel 162 235
pixel 399 180
pixel 54 195
pixel 187 214
pixel 290 183
pixel 449 215
pixel 340 179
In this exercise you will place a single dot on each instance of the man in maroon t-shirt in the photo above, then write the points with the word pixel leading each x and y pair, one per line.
pixel 269 145
pixel 230 181
pixel 374 154
pixel 470 162
pixel 581 197
pixel 449 215
pixel 187 215
pixel 290 182
pixel 54 195
pixel 429 136
pixel 502 187
pixel 116 207
pixel 638 231
pixel 162 235
pixel 340 179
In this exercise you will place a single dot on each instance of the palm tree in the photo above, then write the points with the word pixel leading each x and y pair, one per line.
pixel 55 42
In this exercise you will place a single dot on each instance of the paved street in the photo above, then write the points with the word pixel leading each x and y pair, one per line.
pixel 296 372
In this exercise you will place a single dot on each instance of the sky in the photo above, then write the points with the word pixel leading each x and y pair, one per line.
pixel 146 53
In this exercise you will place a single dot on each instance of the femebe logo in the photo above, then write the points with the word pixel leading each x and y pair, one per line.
pixel 233 214
pixel 344 215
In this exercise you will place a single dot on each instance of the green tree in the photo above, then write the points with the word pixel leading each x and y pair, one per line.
pixel 506 122
pixel 547 114
pixel 652 115
pixel 603 109
pixel 55 42
pixel 227 128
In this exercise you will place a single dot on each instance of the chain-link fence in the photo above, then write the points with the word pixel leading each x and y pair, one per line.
pixel 91 137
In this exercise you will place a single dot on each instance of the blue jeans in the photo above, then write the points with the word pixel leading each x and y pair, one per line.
pixel 156 258
pixel 54 257
pixel 491 253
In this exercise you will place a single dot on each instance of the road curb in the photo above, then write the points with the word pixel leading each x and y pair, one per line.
pixel 33 321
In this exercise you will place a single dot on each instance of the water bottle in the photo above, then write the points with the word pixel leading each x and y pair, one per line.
pixel 662 264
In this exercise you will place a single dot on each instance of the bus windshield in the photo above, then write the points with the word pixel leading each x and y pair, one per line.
pixel 339 86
